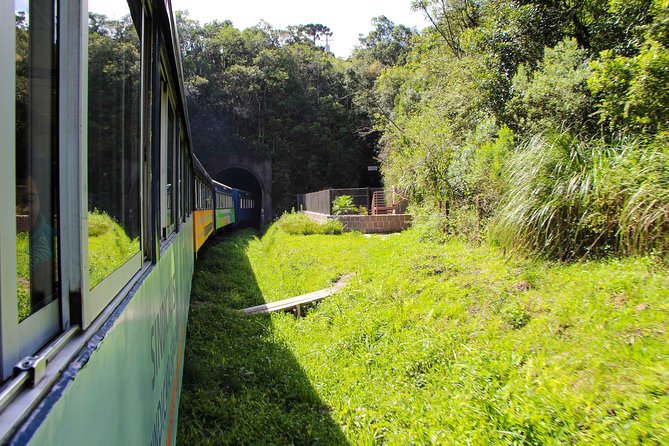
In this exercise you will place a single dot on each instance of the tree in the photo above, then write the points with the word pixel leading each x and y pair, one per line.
pixel 388 43
pixel 451 18
pixel 273 92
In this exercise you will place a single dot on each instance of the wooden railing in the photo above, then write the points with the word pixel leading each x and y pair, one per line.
pixel 380 205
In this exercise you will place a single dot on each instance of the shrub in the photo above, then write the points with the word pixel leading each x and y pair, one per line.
pixel 297 223
pixel 429 224
pixel 343 205
pixel 555 96
pixel 569 198
pixel 632 90
pixel 516 316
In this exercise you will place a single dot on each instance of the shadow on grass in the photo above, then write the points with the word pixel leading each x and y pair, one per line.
pixel 241 385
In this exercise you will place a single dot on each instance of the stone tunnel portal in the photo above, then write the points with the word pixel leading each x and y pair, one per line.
pixel 243 179
pixel 250 173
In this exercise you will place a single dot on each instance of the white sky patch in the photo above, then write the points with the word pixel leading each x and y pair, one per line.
pixel 347 19
pixel 113 9
pixel 21 5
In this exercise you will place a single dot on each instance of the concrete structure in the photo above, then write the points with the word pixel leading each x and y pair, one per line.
pixel 369 224
pixel 258 168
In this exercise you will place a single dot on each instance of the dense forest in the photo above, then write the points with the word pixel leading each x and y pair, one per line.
pixel 541 125
pixel 278 93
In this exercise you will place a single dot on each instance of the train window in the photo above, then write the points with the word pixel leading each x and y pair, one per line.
pixel 169 140
pixel 198 191
pixel 188 186
pixel 29 308
pixel 36 161
pixel 171 184
pixel 182 173
pixel 198 194
pixel 114 147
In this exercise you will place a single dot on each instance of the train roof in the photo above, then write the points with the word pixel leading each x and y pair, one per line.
pixel 221 185
pixel 166 16
pixel 200 170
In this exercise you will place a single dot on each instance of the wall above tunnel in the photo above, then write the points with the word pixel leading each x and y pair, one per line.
pixel 231 167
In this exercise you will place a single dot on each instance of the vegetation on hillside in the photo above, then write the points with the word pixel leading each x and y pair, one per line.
pixel 541 126
pixel 430 343
pixel 279 94
pixel 546 119
pixel 452 114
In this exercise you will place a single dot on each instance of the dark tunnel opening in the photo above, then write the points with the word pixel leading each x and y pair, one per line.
pixel 243 179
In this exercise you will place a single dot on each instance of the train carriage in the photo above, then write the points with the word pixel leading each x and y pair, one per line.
pixel 225 205
pixel 103 208
pixel 245 206
pixel 203 215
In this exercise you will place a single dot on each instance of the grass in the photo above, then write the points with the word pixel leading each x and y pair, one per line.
pixel 108 246
pixel 23 274
pixel 429 344
pixel 297 223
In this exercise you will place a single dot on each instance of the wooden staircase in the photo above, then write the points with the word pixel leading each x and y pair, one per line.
pixel 380 204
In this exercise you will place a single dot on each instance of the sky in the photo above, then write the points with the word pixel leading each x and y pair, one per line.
pixel 345 18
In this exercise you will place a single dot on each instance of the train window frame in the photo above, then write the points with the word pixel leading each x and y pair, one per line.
pixel 95 300
pixel 183 180
pixel 169 136
pixel 20 339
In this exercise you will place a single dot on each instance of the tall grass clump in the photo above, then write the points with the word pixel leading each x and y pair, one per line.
pixel 297 223
pixel 568 198
pixel 644 219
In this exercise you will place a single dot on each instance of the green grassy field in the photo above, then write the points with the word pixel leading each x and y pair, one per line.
pixel 428 344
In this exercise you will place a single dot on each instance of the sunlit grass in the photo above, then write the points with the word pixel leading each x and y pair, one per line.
pixel 428 344
pixel 297 223
pixel 109 246
pixel 23 274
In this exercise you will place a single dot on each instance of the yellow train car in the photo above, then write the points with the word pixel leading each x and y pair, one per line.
pixel 203 227
pixel 203 215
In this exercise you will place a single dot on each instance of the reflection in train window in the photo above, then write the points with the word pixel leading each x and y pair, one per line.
pixel 113 141
pixel 170 169
pixel 36 157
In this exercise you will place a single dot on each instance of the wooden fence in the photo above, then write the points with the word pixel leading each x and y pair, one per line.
pixel 321 201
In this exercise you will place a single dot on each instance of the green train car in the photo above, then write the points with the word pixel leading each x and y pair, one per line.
pixel 99 193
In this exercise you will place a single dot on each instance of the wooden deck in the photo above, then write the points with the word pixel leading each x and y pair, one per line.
pixel 295 303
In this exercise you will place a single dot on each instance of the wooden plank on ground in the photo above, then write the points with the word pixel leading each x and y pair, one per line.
pixel 298 301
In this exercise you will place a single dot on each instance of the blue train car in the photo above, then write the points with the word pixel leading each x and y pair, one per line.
pixel 246 208
pixel 225 206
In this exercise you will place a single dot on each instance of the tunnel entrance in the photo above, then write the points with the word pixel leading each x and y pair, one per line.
pixel 243 179
pixel 252 173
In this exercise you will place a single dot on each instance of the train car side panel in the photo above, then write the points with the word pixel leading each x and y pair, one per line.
pixel 124 388
pixel 203 221
pixel 224 217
